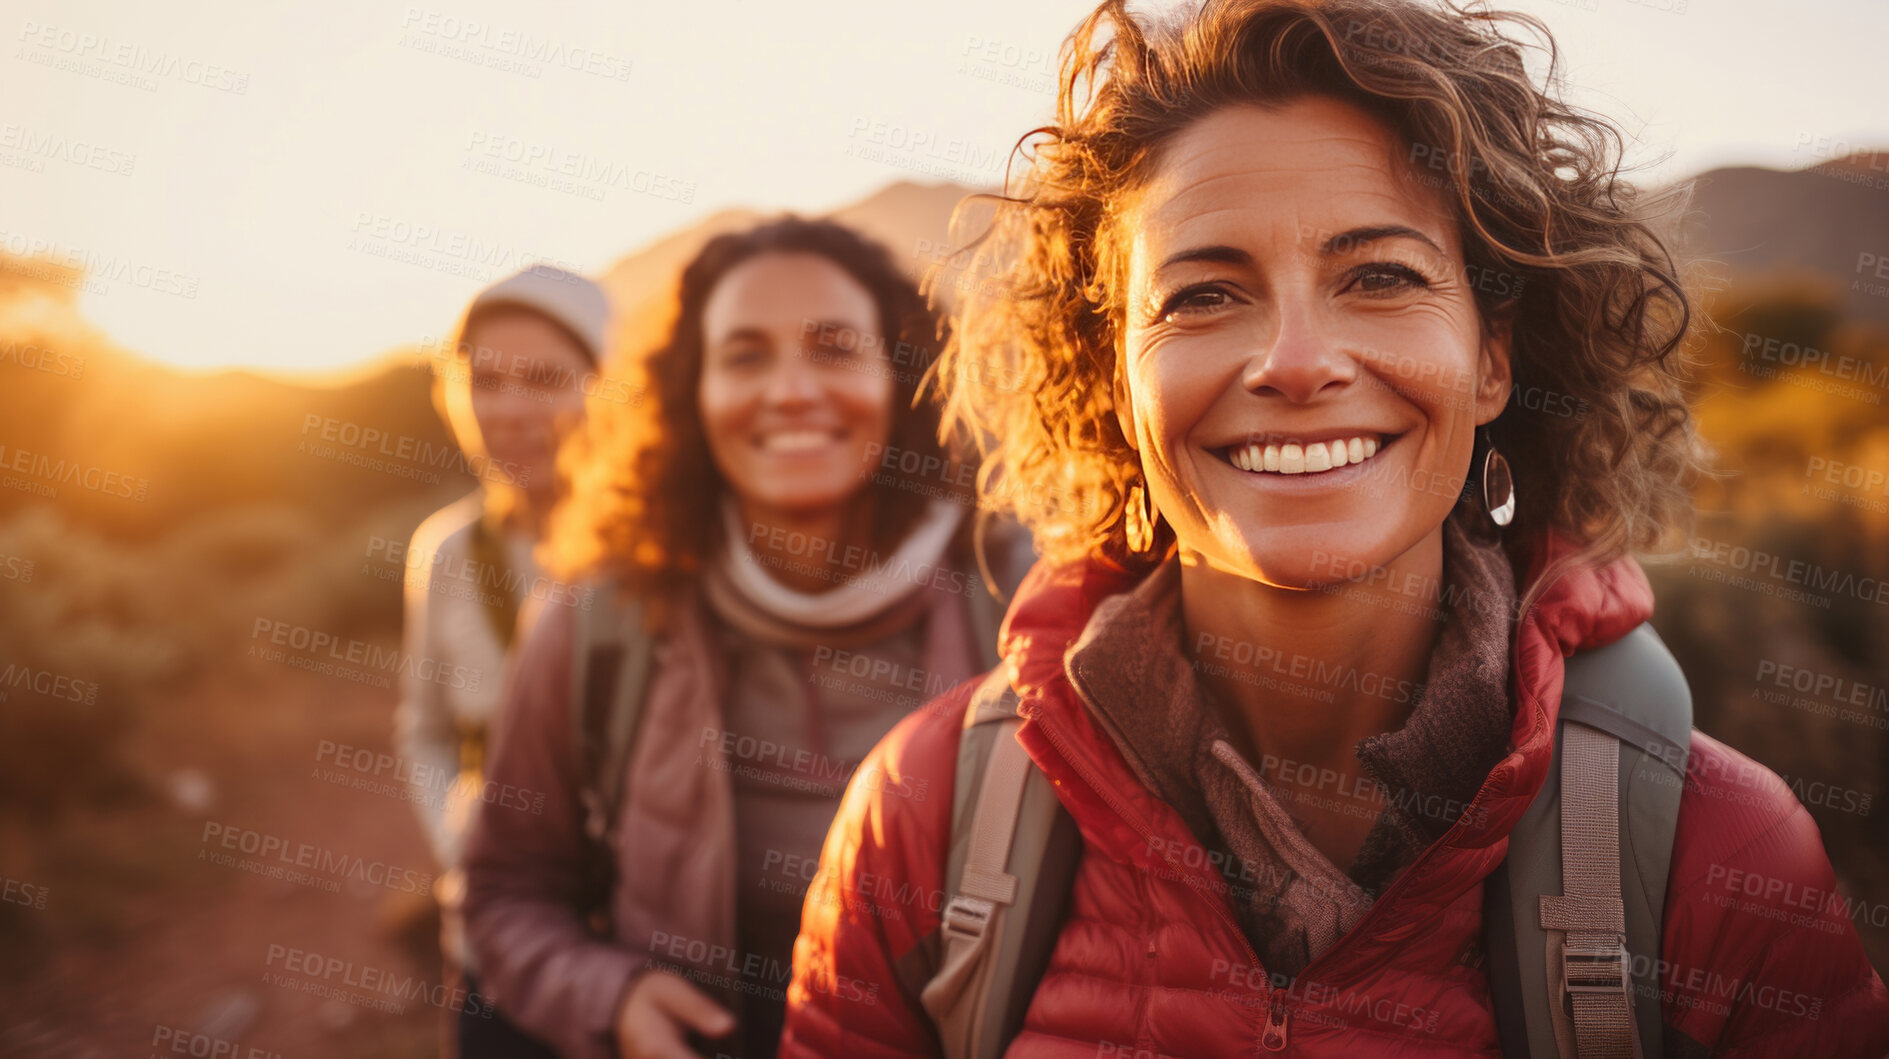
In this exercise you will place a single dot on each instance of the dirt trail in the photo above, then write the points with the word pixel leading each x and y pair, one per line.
pixel 145 935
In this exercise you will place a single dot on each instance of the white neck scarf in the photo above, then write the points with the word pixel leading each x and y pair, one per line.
pixel 859 596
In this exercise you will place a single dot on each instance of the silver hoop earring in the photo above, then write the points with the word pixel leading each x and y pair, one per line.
pixel 1498 485
pixel 1140 519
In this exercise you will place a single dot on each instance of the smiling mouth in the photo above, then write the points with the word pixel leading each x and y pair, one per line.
pixel 790 442
pixel 1305 457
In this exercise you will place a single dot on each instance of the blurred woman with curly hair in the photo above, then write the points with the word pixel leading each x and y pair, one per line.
pixel 778 531
pixel 1337 370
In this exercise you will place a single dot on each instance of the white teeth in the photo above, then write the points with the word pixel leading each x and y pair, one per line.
pixel 796 440
pixel 1295 458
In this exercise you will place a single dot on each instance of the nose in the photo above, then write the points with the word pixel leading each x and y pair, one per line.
pixel 792 384
pixel 1302 359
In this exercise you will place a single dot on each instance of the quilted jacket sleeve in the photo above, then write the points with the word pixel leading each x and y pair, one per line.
pixel 1762 952
pixel 868 927
pixel 524 865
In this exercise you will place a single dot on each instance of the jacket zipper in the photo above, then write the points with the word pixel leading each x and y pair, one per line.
pixel 1275 1036
pixel 1278 1011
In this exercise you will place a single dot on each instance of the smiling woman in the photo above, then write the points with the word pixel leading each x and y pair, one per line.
pixel 770 532
pixel 1295 680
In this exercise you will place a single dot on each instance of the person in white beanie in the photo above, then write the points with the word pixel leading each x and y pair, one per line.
pixel 511 384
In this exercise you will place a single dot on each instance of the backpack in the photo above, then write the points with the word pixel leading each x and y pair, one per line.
pixel 1571 918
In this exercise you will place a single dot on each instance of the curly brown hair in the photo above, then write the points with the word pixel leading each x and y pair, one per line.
pixel 643 489
pixel 1598 307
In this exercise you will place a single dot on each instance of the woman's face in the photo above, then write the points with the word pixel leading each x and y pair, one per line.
pixel 526 391
pixel 796 390
pixel 1303 366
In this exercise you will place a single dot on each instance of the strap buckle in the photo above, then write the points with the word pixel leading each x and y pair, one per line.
pixel 967 917
pixel 1595 963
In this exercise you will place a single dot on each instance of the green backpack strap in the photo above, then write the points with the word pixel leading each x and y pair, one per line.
pixel 1012 862
pixel 1626 714
pixel 610 657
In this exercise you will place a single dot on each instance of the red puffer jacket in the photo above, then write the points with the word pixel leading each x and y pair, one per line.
pixel 1761 957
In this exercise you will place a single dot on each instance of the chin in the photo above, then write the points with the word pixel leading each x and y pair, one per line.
pixel 811 499
pixel 1313 557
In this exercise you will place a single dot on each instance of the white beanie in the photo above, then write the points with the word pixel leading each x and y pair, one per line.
pixel 566 297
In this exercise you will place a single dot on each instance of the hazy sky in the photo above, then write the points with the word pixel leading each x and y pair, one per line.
pixel 301 187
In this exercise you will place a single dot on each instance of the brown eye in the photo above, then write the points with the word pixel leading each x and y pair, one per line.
pixel 1388 278
pixel 1193 301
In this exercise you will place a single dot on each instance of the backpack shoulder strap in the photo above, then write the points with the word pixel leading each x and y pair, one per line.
pixel 611 655
pixel 1012 861
pixel 1572 917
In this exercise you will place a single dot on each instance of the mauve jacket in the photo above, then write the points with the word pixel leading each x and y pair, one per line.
pixel 673 902
pixel 1761 959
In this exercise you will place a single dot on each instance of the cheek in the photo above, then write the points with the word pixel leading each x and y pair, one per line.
pixel 1433 367
pixel 720 405
pixel 485 405
pixel 568 407
pixel 867 397
pixel 1175 384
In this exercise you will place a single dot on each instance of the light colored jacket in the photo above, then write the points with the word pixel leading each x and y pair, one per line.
pixel 450 630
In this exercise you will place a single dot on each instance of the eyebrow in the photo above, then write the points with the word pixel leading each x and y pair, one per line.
pixel 1356 236
pixel 744 333
pixel 1339 243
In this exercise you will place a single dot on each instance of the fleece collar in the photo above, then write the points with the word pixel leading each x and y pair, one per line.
pixel 1131 667
pixel 1123 817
